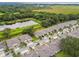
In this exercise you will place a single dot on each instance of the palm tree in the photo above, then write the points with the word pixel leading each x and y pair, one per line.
pixel 40 37
pixel 45 34
pixel 60 29
pixel 22 44
pixel 50 33
pixel 70 25
pixel 55 31
pixel 78 21
pixel 76 26
pixel 13 53
pixel 18 54
pixel 6 46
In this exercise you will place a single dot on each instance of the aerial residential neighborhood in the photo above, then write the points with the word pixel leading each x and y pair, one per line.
pixel 32 30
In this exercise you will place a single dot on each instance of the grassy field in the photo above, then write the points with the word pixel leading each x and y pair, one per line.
pixel 61 54
pixel 64 9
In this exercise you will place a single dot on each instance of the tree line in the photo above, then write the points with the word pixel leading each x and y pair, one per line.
pixel 49 19
pixel 46 19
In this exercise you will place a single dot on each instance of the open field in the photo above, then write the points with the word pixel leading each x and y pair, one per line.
pixel 64 9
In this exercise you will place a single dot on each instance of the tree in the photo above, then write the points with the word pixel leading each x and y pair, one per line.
pixel 55 30
pixel 60 29
pixel 45 23
pixel 70 46
pixel 22 44
pixel 13 53
pixel 6 46
pixel 18 54
pixel 78 21
pixel 29 31
pixel 6 33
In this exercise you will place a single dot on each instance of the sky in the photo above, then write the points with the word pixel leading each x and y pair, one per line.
pixel 39 0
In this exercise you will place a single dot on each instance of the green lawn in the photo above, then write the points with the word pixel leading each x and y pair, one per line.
pixel 61 54
pixel 1 35
pixel 34 39
pixel 18 31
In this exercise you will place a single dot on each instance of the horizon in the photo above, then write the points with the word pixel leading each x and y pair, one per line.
pixel 42 2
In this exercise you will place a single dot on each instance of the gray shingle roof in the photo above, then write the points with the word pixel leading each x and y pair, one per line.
pixel 25 37
pixel 12 42
pixel 52 28
pixel 1 45
pixel 74 33
pixel 43 51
